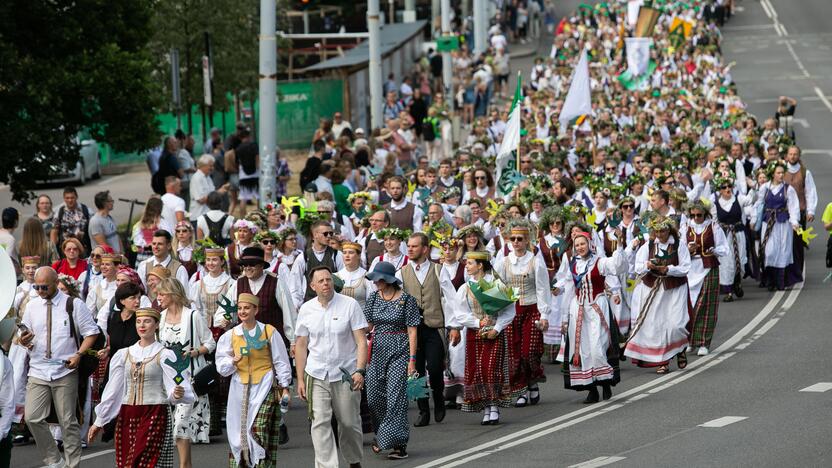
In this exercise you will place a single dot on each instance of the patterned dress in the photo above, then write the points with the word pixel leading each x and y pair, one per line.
pixel 387 371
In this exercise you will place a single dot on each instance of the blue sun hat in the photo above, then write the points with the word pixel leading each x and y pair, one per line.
pixel 384 271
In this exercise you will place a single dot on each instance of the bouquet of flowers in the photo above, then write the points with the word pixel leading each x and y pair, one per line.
pixel 493 296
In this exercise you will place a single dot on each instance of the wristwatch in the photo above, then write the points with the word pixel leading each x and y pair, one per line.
pixel 363 372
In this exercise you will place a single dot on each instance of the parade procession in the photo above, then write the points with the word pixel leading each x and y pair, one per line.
pixel 507 236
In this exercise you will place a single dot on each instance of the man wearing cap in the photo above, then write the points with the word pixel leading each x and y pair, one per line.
pixel 420 279
pixel 317 253
pixel 275 304
pixel 331 339
pixel 53 359
pixel 24 292
pixel 253 354
pixel 160 245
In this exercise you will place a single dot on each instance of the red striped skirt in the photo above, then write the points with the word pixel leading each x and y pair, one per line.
pixel 486 372
pixel 525 341
pixel 144 437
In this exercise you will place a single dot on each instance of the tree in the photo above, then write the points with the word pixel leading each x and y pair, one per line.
pixel 67 68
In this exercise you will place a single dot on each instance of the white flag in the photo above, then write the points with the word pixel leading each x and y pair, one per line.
pixel 579 98
pixel 638 54
pixel 632 12
pixel 507 154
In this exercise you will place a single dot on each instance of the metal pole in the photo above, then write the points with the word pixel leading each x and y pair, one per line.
pixel 392 12
pixel 409 14
pixel 434 13
pixel 174 75
pixel 447 71
pixel 210 100
pixel 375 63
pixel 480 26
pixel 268 101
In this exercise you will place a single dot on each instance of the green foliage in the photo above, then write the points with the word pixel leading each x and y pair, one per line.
pixel 67 68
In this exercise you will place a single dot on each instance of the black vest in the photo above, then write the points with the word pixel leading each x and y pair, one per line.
pixel 313 262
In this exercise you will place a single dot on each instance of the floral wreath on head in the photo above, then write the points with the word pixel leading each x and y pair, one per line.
pixel 523 223
pixel 246 224
pixel 356 195
pixel 660 223
pixel 773 165
pixel 259 219
pixel 72 285
pixel 701 204
pixel 470 229
pixel 449 193
pixel 283 234
pixel 267 234
pixel 394 232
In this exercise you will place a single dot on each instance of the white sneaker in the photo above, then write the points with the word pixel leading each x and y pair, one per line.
pixel 60 464
pixel 703 351
pixel 690 349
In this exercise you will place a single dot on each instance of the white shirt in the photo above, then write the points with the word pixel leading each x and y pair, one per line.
pixel 338 128
pixel 421 272
pixel 147 265
pixel 171 204
pixel 201 186
pixel 331 342
pixel 7 395
pixel 63 346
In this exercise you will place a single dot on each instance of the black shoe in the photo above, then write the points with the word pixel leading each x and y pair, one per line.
pixel 533 400
pixel 592 397
pixel 399 453
pixel 451 404
pixel 438 407
pixel 355 465
pixel 738 291
pixel 60 444
pixel 606 392
pixel 283 435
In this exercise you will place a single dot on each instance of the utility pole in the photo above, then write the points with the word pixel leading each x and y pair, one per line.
pixel 480 26
pixel 435 12
pixel 392 14
pixel 174 76
pixel 409 13
pixel 268 101
pixel 447 72
pixel 374 64
pixel 210 84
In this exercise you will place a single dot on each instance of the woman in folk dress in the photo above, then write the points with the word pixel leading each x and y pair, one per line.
pixel 590 333
pixel 660 299
pixel 728 208
pixel 486 377
pixel 781 215
pixel 139 392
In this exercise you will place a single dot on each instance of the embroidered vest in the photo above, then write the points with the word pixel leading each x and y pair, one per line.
pixel 524 282
pixel 703 242
pixel 589 284
pixel 144 381
pixel 670 282
pixel 313 262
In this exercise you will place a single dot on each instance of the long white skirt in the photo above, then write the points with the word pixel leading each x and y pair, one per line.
pixel 696 278
pixel 621 311
pixel 595 340
pixel 662 334
pixel 456 362
pixel 779 247
pixel 727 267
pixel 552 335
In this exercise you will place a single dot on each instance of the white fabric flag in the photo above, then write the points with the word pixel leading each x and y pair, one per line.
pixel 638 54
pixel 579 97
pixel 632 12
pixel 508 147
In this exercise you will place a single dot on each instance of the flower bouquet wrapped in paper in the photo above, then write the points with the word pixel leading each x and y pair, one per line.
pixel 493 296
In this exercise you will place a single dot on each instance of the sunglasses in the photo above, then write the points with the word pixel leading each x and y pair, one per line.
pixel 609 169
pixel 479 178
pixel 627 207
pixel 698 215
pixel 182 230
pixel 327 212
pixel 40 287
pixel 328 234
pixel 268 242
pixel 517 239
pixel 95 256
pixel 528 161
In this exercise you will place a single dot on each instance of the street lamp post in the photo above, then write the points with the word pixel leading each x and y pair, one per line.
pixel 374 63
pixel 268 101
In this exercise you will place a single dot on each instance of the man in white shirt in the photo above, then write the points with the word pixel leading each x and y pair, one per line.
pixel 202 185
pixel 215 221
pixel 331 338
pixel 160 244
pixel 173 206
pixel 54 355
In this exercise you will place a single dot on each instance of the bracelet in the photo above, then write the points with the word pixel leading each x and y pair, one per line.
pixel 412 357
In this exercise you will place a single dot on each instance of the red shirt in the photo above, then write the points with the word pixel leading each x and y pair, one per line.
pixel 62 267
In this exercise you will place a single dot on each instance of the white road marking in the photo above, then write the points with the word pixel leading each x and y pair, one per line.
pixel 827 152
pixel 818 387
pixel 764 4
pixel 797 59
pixel 111 180
pixel 536 431
pixel 823 98
pixel 93 455
pixel 772 100
pixel 600 461
pixel 745 27
pixel 723 421
pixel 803 122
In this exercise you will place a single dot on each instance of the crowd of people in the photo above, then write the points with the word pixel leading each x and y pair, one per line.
pixel 406 272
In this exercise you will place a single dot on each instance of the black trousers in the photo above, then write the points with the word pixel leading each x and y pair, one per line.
pixel 430 354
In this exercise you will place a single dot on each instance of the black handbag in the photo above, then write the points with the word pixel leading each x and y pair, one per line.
pixel 207 377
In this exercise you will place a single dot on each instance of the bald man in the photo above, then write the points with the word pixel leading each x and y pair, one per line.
pixel 54 354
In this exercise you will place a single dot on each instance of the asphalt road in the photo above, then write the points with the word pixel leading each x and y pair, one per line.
pixel 740 406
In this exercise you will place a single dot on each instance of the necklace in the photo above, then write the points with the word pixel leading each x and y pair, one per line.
pixel 386 299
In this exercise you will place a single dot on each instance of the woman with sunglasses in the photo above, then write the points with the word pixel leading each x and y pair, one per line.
pixel 590 345
pixel 286 246
pixel 523 270
pixel 92 275
pixel 73 263
pixel 268 240
pixel 183 246
pixel 731 218
pixel 707 246
pixel 139 395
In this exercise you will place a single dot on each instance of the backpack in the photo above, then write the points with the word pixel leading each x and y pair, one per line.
pixel 215 230
pixel 427 131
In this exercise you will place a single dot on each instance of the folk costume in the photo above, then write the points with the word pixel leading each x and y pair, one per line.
pixel 781 215
pixel 253 411
pixel 707 245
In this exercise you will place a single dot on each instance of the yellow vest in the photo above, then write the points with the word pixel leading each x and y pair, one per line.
pixel 258 362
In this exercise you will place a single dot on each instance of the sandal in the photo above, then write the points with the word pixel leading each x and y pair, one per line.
pixel 682 360
pixel 376 449
pixel 663 370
